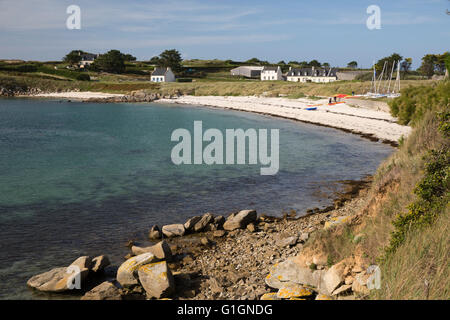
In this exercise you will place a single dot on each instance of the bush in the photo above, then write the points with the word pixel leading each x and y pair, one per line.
pixel 83 77
pixel 415 101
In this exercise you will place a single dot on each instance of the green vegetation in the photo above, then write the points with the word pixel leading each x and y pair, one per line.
pixel 415 102
pixel 405 212
pixel 113 61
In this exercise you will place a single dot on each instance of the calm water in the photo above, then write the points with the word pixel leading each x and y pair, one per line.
pixel 79 178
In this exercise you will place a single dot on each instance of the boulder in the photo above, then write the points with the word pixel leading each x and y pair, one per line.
pixel 104 291
pixel 342 289
pixel 173 230
pixel 331 280
pixel 156 279
pixel 240 220
pixel 154 233
pixel 359 284
pixel 161 250
pixel 83 262
pixel 205 220
pixel 126 272
pixel 189 225
pixel 293 290
pixel 251 227
pixel 219 233
pixel 287 242
pixel 270 296
pixel 219 221
pixel 99 263
pixel 57 279
pixel 292 271
pixel 323 297
pixel 336 221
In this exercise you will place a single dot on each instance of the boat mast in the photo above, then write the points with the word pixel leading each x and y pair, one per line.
pixel 381 77
pixel 390 78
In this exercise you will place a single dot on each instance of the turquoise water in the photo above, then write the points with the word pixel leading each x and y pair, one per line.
pixel 82 178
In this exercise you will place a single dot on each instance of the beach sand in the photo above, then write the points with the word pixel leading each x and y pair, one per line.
pixel 376 123
pixel 78 95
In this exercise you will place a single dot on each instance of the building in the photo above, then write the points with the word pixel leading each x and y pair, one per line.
pixel 161 74
pixel 87 59
pixel 247 71
pixel 320 75
pixel 271 73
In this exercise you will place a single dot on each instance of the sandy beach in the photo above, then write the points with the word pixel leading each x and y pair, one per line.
pixel 376 123
pixel 77 95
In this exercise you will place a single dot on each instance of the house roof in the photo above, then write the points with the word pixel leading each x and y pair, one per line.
pixel 270 68
pixel 159 71
pixel 258 68
pixel 313 72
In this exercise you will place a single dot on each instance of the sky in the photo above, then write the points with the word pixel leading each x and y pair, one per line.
pixel 327 30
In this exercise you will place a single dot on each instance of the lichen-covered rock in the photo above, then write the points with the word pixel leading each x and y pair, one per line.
pixel 156 279
pixel 126 274
pixel 58 279
pixel 104 291
pixel 336 221
pixel 240 220
pixel 270 296
pixel 293 290
pixel 173 230
pixel 291 271
pixel 321 296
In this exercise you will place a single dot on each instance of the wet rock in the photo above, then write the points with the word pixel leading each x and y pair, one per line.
pixel 205 220
pixel 126 272
pixel 173 230
pixel 99 263
pixel 240 220
pixel 104 291
pixel 154 233
pixel 161 250
pixel 57 279
pixel 189 225
pixel 156 279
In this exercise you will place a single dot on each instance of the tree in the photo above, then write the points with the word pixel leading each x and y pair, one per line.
pixel 154 60
pixel 112 61
pixel 440 63
pixel 428 65
pixel 352 64
pixel 405 65
pixel 325 65
pixel 281 62
pixel 392 59
pixel 172 59
pixel 128 57
pixel 73 57
pixel 253 61
pixel 315 63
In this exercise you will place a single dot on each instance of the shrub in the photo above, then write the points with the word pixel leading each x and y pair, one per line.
pixel 83 77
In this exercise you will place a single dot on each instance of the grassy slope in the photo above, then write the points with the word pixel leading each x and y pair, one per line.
pixel 419 266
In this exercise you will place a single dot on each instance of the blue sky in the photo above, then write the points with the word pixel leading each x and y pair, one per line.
pixel 328 30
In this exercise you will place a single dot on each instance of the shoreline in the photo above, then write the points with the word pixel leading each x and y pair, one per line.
pixel 367 122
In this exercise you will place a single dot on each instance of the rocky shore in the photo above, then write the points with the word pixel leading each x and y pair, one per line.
pixel 242 256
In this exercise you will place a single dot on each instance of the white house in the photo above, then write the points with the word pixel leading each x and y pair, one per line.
pixel 87 59
pixel 271 73
pixel 319 75
pixel 161 74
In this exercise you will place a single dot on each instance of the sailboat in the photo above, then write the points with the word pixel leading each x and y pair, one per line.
pixel 377 89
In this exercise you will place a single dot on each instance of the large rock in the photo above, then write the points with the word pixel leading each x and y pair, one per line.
pixel 126 272
pixel 293 290
pixel 57 279
pixel 205 220
pixel 104 291
pixel 240 220
pixel 336 221
pixel 156 279
pixel 161 250
pixel 291 271
pixel 83 262
pixel 173 230
pixel 189 225
pixel 154 233
pixel 99 263
pixel 331 280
